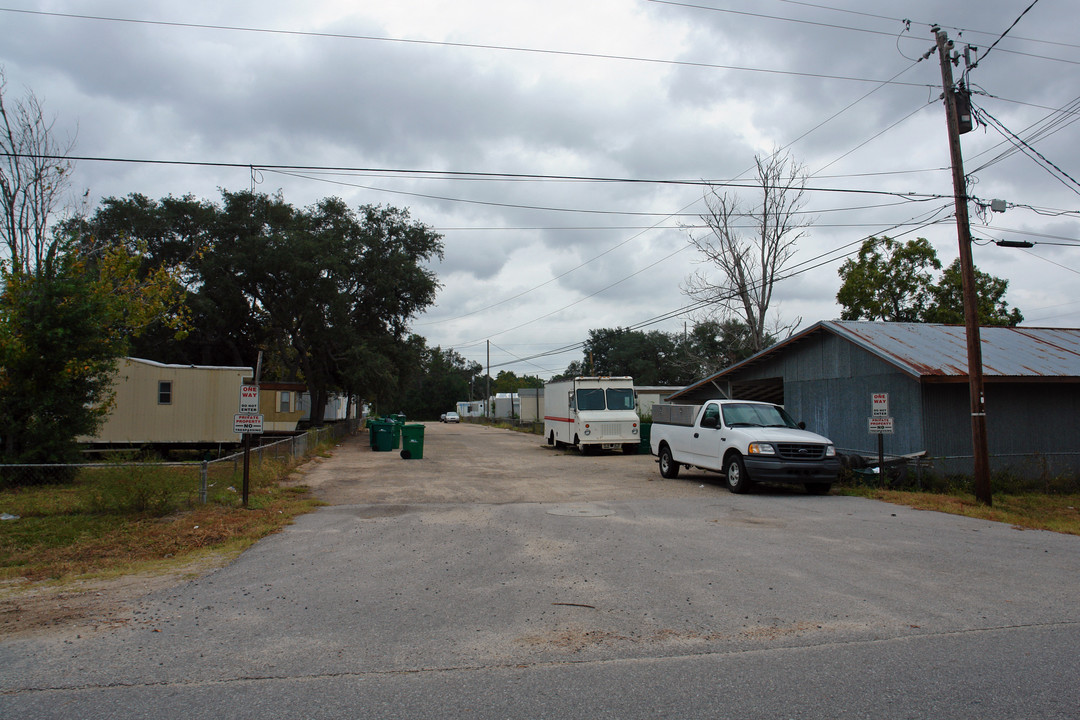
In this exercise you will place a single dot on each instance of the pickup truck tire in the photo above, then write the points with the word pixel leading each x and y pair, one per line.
pixel 737 480
pixel 668 467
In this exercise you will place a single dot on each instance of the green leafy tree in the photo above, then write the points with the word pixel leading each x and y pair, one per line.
pixel 56 362
pixel 442 381
pixel 948 305
pixel 61 333
pixel 888 281
pixel 894 283
pixel 713 345
pixel 507 381
pixel 648 357
pixel 66 313
pixel 326 292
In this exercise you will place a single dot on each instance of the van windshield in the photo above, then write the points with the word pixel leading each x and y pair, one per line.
pixel 590 399
pixel 620 399
pixel 609 399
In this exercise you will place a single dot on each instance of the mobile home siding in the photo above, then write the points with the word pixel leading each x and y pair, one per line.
pixel 203 402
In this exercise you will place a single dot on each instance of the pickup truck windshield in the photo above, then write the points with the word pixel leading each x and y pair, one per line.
pixel 744 415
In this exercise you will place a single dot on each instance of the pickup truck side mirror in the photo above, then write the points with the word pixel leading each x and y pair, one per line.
pixel 710 422
pixel 802 425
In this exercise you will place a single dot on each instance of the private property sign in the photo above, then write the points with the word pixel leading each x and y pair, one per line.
pixel 881 425
pixel 247 424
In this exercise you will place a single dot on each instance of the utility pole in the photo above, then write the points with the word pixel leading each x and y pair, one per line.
pixel 487 398
pixel 967 271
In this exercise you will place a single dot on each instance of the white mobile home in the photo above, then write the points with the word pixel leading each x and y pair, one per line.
pixel 159 404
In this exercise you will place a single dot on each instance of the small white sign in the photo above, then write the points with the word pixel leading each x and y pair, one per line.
pixel 249 399
pixel 879 405
pixel 881 425
pixel 247 424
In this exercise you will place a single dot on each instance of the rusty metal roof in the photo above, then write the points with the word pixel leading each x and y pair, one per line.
pixel 926 350
pixel 939 352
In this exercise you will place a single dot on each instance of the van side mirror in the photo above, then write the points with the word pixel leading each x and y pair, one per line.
pixel 710 422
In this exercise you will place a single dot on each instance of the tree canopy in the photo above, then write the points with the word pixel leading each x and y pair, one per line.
pixel 67 312
pixel 659 358
pixel 894 282
pixel 325 291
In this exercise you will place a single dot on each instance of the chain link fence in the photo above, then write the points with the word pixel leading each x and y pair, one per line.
pixel 148 485
pixel 1052 472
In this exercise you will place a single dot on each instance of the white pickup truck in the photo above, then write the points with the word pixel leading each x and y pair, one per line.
pixel 747 441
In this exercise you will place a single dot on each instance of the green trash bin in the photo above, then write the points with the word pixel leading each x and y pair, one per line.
pixel 644 447
pixel 395 434
pixel 383 436
pixel 412 442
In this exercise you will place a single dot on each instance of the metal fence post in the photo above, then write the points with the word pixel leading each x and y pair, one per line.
pixel 203 473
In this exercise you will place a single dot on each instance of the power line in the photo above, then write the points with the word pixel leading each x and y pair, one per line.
pixel 806 266
pixel 849 28
pixel 995 44
pixel 287 169
pixel 1027 149
pixel 444 43
pixel 1058 119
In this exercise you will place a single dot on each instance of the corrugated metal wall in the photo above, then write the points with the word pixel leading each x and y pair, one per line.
pixel 827 383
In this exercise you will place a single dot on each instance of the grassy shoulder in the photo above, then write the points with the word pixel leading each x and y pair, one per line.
pixel 113 522
pixel 1034 511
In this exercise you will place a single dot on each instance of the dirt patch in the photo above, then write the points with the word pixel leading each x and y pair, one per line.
pixel 85 606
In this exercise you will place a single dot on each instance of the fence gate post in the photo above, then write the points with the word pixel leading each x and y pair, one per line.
pixel 203 472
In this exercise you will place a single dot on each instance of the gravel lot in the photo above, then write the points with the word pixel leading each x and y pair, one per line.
pixel 499 578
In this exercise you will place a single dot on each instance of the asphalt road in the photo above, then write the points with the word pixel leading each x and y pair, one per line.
pixel 498 578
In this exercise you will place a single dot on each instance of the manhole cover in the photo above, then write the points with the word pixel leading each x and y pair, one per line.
pixel 580 511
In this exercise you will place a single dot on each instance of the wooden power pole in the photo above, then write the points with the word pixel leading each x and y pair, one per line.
pixel 967 271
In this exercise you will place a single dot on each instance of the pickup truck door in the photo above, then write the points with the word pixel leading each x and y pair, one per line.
pixel 705 441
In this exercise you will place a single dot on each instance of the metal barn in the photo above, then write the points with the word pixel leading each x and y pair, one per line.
pixel 826 375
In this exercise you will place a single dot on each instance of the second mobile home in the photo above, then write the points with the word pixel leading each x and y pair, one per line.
pixel 591 412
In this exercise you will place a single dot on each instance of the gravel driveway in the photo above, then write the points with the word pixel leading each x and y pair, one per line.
pixel 497 577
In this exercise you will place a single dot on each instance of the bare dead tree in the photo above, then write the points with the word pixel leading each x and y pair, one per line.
pixel 34 175
pixel 749 245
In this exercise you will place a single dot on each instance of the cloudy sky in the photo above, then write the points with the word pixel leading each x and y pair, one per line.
pixel 559 146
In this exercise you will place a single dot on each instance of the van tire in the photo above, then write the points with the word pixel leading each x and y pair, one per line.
pixel 738 481
pixel 669 469
pixel 551 438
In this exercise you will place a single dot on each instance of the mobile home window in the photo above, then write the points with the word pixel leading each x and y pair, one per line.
pixel 164 392
pixel 285 401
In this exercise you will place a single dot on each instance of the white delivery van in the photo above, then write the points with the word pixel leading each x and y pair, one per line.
pixel 592 412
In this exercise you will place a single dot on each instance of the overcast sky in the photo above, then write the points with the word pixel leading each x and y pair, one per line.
pixel 392 93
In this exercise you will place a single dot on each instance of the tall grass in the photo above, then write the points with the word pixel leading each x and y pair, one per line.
pixel 121 517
